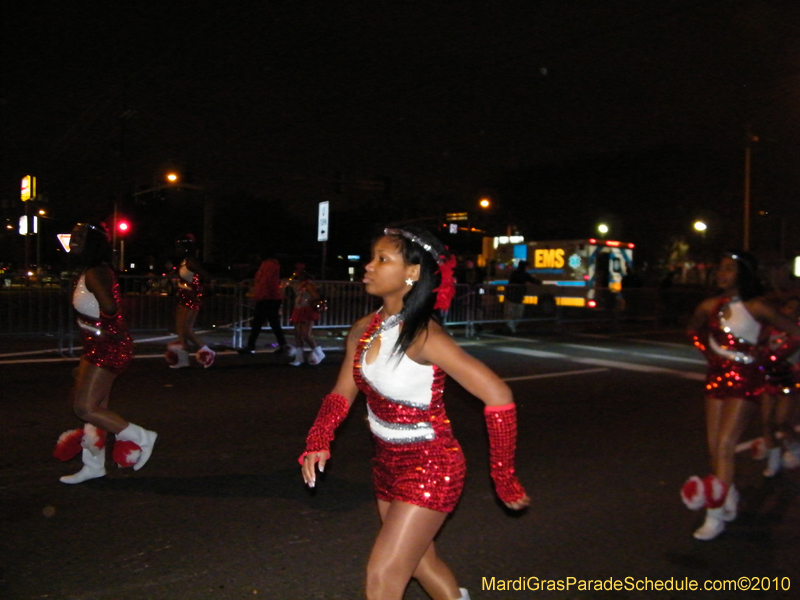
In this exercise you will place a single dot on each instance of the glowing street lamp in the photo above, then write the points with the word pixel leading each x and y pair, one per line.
pixel 602 229
pixel 485 203
pixel 700 226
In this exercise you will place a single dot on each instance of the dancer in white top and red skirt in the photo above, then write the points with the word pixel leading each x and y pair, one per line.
pixel 192 276
pixel 780 395
pixel 728 330
pixel 107 351
pixel 399 358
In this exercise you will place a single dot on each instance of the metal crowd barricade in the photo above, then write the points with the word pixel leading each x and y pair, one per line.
pixel 30 308
pixel 149 304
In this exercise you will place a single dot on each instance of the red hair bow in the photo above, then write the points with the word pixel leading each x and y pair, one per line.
pixel 447 289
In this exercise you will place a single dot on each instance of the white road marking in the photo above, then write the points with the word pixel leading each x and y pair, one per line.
pixel 611 364
pixel 560 374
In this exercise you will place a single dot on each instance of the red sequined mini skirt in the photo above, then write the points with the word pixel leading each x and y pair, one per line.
pixel 428 474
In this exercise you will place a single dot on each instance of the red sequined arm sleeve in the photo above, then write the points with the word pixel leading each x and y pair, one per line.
pixel 700 341
pixel 501 423
pixel 782 347
pixel 332 412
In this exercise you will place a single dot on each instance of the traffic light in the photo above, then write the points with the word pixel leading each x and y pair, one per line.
pixel 123 227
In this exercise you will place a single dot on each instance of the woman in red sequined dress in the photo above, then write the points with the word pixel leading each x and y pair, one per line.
pixel 304 315
pixel 399 358
pixel 729 330
pixel 192 276
pixel 107 351
pixel 780 396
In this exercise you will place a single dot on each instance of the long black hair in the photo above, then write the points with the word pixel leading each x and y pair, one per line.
pixel 419 247
pixel 747 279
pixel 96 248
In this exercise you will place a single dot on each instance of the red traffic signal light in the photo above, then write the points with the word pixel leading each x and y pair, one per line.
pixel 123 227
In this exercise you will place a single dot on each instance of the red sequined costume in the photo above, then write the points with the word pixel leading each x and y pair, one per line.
pixel 417 459
pixel 735 367
pixel 106 341
pixel 190 291
pixel 781 364
pixel 304 309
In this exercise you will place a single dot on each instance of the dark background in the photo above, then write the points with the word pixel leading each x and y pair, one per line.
pixel 565 114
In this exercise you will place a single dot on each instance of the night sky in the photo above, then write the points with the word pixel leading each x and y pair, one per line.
pixel 446 99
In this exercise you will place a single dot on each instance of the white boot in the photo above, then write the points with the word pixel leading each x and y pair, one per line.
pixel 773 462
pixel 791 458
pixel 731 505
pixel 713 525
pixel 297 356
pixel 464 594
pixel 94 466
pixel 316 356
pixel 141 437
pixel 176 356
pixel 205 356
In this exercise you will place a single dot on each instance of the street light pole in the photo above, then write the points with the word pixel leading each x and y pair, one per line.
pixel 746 217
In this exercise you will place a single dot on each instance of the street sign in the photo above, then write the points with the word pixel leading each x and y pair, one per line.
pixel 64 239
pixel 322 222
pixel 24 229
pixel 28 188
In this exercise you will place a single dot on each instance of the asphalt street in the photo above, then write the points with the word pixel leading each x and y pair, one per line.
pixel 610 427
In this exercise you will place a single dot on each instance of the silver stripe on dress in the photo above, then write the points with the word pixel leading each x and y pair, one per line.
pixel 90 328
pixel 400 433
pixel 735 356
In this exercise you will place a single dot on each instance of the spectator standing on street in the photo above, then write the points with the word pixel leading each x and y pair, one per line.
pixel 268 297
pixel 515 294
pixel 304 315
pixel 192 276
pixel 728 329
pixel 399 357
pixel 107 352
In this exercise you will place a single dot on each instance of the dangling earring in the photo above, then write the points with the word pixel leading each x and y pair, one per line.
pixel 409 281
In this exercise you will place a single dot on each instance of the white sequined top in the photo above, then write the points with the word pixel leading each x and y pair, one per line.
pixel 84 301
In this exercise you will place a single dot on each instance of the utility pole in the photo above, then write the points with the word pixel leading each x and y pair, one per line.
pixel 751 139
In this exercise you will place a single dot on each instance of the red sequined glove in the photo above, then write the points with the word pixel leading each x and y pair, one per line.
pixel 332 412
pixel 701 343
pixel 781 347
pixel 501 423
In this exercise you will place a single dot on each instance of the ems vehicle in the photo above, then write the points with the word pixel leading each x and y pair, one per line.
pixel 584 273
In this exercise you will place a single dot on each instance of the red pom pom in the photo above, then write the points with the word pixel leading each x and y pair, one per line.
pixel 715 491
pixel 126 453
pixel 693 493
pixel 68 445
pixel 205 356
pixel 94 439
pixel 171 355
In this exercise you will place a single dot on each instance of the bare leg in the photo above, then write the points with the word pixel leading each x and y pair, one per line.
pixel 304 332
pixel 90 399
pixel 184 324
pixel 404 548
pixel 769 418
pixel 298 336
pixel 784 417
pixel 726 421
